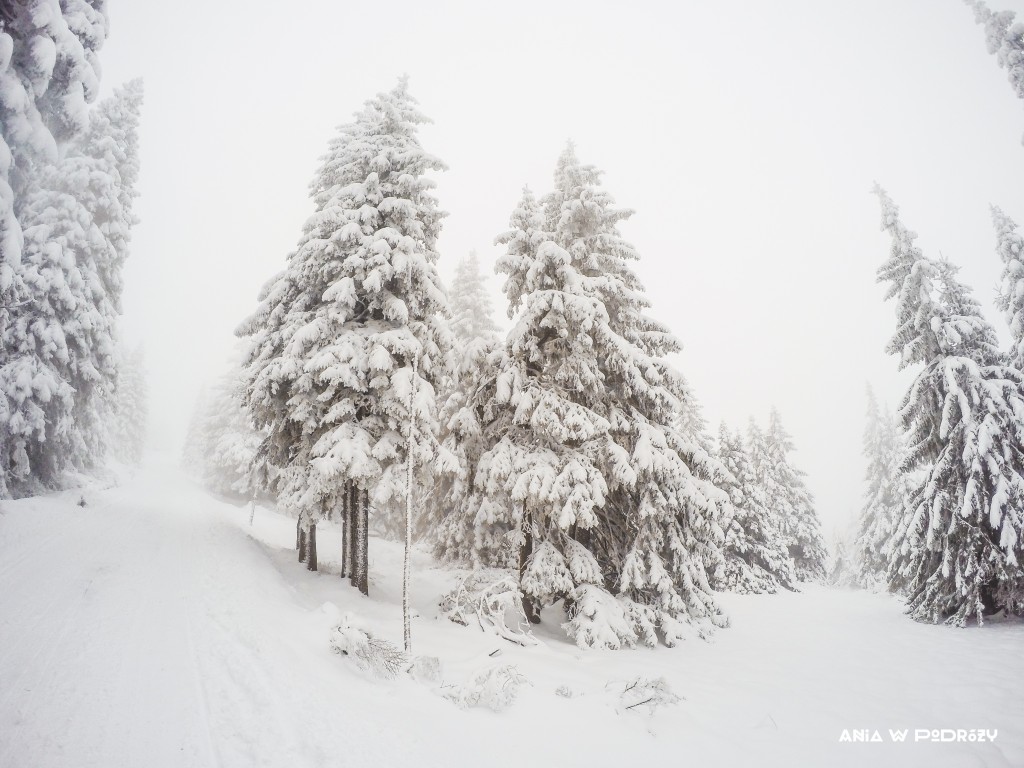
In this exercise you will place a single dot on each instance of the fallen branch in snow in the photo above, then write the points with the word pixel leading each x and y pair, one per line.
pixel 490 602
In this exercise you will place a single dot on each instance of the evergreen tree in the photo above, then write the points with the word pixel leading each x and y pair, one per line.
pixel 959 541
pixel 76 219
pixel 884 499
pixel 756 552
pixel 789 498
pixel 129 411
pixel 471 306
pixel 223 443
pixel 1010 299
pixel 1005 39
pixel 467 524
pixel 331 365
pixel 706 465
pixel 842 568
pixel 48 74
pixel 192 450
pixel 604 495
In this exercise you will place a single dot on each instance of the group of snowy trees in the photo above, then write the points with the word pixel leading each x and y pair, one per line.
pixel 69 393
pixel 571 450
pixel 943 520
pixel 773 538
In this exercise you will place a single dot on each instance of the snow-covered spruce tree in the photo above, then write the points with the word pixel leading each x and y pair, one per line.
pixel 1010 299
pixel 225 442
pixel 192 449
pixel 756 552
pixel 467 524
pixel 884 498
pixel 472 317
pixel 129 410
pixel 960 538
pixel 334 338
pixel 76 218
pixel 470 524
pixel 790 500
pixel 48 74
pixel 1005 39
pixel 599 487
pixel 842 569
pixel 705 464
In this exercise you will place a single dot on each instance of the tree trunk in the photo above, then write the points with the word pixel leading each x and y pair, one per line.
pixel 298 529
pixel 302 545
pixel 346 529
pixel 361 534
pixel 353 504
pixel 353 536
pixel 988 599
pixel 525 550
pixel 407 556
pixel 311 563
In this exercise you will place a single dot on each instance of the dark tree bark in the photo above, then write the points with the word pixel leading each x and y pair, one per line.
pixel 302 545
pixel 350 552
pixel 989 605
pixel 311 562
pixel 525 550
pixel 298 528
pixel 361 534
pixel 353 516
pixel 346 529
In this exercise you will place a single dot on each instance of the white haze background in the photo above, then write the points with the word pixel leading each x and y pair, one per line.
pixel 745 135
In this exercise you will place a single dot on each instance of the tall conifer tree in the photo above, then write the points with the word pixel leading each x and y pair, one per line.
pixel 884 497
pixel 336 333
pixel 609 500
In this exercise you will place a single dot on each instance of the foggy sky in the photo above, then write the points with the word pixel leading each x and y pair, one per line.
pixel 746 136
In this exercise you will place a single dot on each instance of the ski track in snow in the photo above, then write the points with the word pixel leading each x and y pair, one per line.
pixel 155 628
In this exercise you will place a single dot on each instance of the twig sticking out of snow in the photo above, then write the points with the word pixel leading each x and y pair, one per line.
pixel 645 692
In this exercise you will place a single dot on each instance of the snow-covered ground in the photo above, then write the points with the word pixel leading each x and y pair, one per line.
pixel 154 627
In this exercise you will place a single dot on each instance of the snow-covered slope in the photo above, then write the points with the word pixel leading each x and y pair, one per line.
pixel 153 627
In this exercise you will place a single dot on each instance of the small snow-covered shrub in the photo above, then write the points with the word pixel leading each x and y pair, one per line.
pixel 644 692
pixel 599 620
pixel 371 653
pixel 547 576
pixel 494 688
pixel 493 601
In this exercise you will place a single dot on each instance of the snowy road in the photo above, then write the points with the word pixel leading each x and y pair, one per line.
pixel 155 628
pixel 136 632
